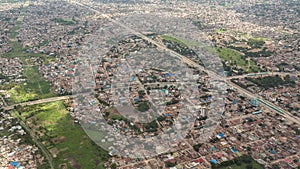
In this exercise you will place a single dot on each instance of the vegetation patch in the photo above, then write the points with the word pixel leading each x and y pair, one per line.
pixel 143 106
pixel 64 21
pixel 243 162
pixel 256 42
pixel 35 87
pixel 12 1
pixel 221 30
pixel 14 32
pixel 272 81
pixel 235 59
pixel 57 131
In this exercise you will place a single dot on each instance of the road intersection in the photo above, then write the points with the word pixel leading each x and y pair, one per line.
pixel 187 61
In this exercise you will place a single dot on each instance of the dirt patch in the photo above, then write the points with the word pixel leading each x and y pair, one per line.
pixel 54 152
pixel 73 163
pixel 57 140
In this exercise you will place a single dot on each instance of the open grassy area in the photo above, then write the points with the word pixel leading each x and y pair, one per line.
pixel 256 42
pixel 14 32
pixel 11 1
pixel 220 30
pixel 64 21
pixel 19 51
pixel 226 4
pixel 35 86
pixel 258 38
pixel 235 58
pixel 68 143
pixel 173 39
pixel 181 41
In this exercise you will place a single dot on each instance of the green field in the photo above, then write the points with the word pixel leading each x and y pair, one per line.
pixel 19 51
pixel 220 30
pixel 181 41
pixel 66 141
pixel 35 86
pixel 173 39
pixel 235 59
pixel 12 1
pixel 14 32
pixel 64 21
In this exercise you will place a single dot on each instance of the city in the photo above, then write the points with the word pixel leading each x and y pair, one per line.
pixel 149 84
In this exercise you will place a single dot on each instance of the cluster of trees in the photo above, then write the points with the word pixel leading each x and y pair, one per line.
pixel 143 106
pixel 161 118
pixel 171 164
pixel 151 127
pixel 245 159
pixel 64 21
pixel 281 66
pixel 103 102
pixel 202 118
pixel 263 53
pixel 197 146
pixel 173 101
pixel 255 43
pixel 271 81
pixel 3 77
pixel 178 46
pixel 214 140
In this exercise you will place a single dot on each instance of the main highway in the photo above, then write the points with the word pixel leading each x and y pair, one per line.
pixel 189 62
pixel 261 74
pixel 41 101
pixel 184 59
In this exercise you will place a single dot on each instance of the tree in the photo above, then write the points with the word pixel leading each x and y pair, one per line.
pixel 161 118
pixel 113 166
pixel 197 146
pixel 141 92
pixel 107 114
pixel 249 167
pixel 143 106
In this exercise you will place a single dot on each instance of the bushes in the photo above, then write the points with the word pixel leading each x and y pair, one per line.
pixel 245 161
pixel 255 43
pixel 270 81
pixel 143 106
pixel 197 146
pixel 151 127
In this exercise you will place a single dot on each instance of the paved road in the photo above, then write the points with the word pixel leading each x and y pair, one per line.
pixel 47 100
pixel 22 123
pixel 288 157
pixel 188 61
pixel 161 46
pixel 261 74
pixel 3 101
pixel 38 143
pixel 287 114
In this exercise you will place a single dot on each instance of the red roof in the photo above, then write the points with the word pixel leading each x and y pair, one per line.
pixel 172 161
pixel 287 160
pixel 200 160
